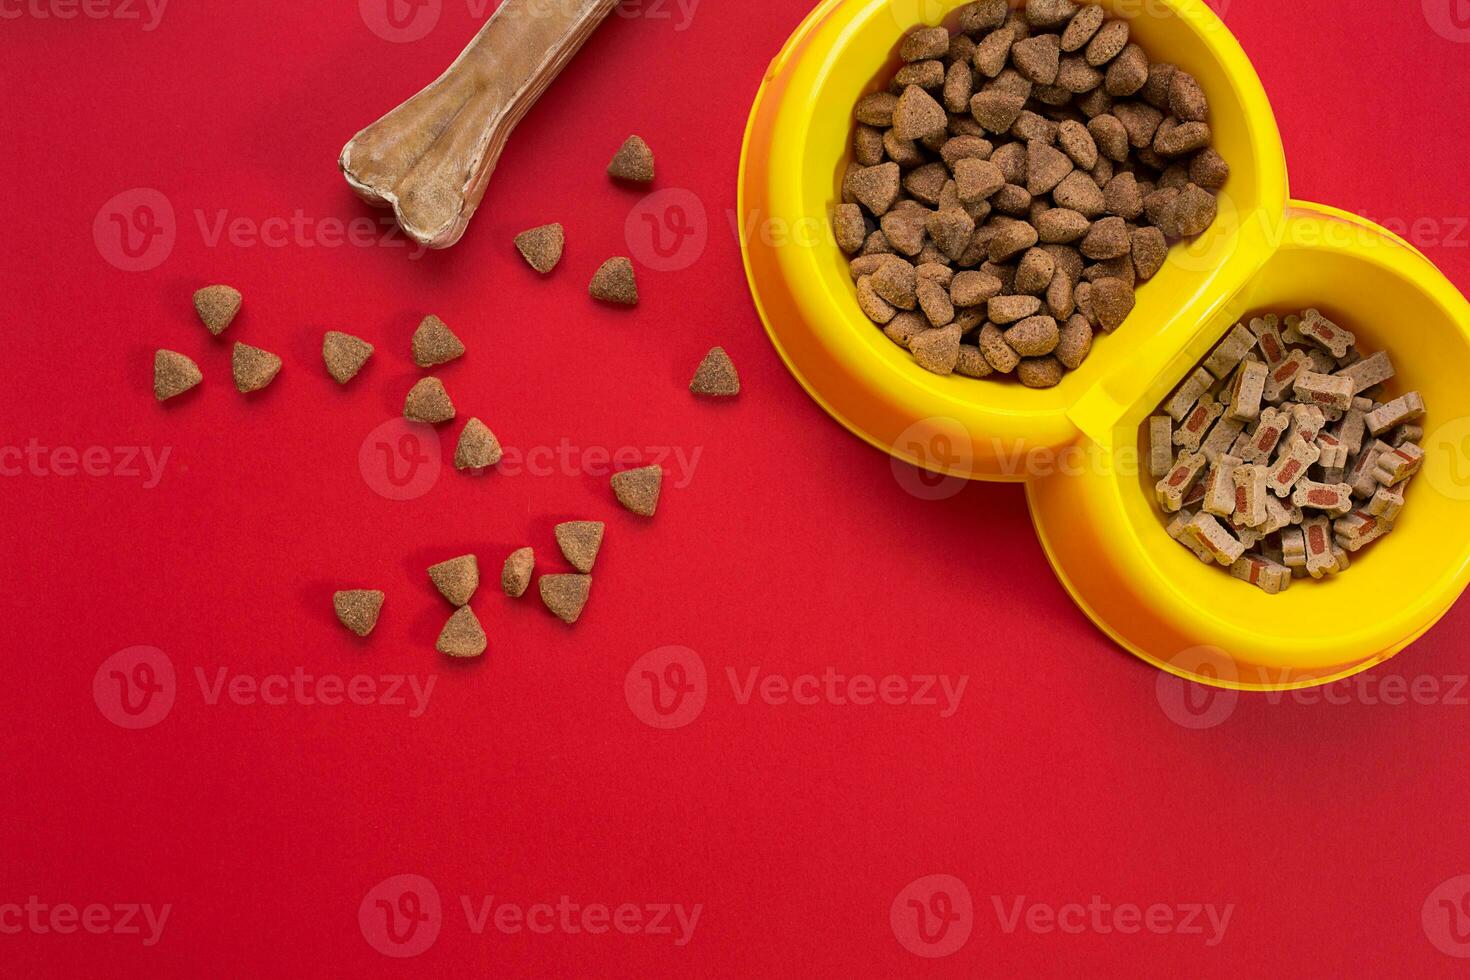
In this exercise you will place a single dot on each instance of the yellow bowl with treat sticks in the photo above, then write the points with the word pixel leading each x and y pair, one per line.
pixel 1078 446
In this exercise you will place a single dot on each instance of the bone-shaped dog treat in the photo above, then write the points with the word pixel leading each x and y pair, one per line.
pixel 1210 535
pixel 1397 465
pixel 1247 390
pixel 1334 499
pixel 1160 445
pixel 1325 390
pixel 431 158
pixel 1171 490
pixel 1283 375
pixel 1291 466
pixel 1268 339
pixel 1250 497
pixel 1358 530
pixel 1177 528
pixel 1192 429
pixel 1268 433
pixel 1409 408
pixel 1220 487
pixel 1263 573
pixel 1368 372
pixel 1322 557
pixel 1222 437
pixel 1188 393
pixel 1231 351
pixel 1324 333
pixel 1387 503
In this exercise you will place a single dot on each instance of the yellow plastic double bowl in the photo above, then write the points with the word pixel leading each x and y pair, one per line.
pixel 1077 446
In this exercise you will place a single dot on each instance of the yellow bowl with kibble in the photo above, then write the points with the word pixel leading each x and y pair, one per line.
pixel 1080 446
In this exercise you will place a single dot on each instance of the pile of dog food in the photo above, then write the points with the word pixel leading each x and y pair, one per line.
pixel 1287 459
pixel 1016 183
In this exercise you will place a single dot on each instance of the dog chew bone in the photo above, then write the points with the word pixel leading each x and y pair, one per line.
pixel 431 158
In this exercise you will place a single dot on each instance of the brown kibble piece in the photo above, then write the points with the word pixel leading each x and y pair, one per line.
pixel 477 448
pixel 253 368
pixel 895 282
pixel 542 247
pixel 427 401
pixel 876 109
pixel 1186 98
pixel 971 288
pixel 951 231
pixel 1128 71
pixel 992 52
pixel 1035 272
pixel 1061 225
pixel 357 609
pixel 937 350
pixel 997 111
pixel 614 282
pixel 934 301
pixel 1074 341
pixel 638 490
pixel 1034 336
pixel 1049 13
pixel 924 43
pixel 997 352
pixel 632 162
pixel 904 228
pixel 1110 135
pixel 850 227
pixel 1107 239
pixel 1150 249
pixel 344 355
pixel 1040 372
pixel 904 327
pixel 217 306
pixel 1189 214
pixel 1083 27
pixel 975 180
pixel 1077 142
pixel 1079 192
pixel 173 374
pixel 1174 138
pixel 1004 310
pixel 971 363
pixel 515 576
pixel 874 307
pixel 875 188
pixel 1208 169
pixel 1123 197
pixel 1112 301
pixel 1108 43
pixel 1045 167
pixel 716 375
pixel 918 116
pixel 1038 58
pixel 456 579
pixel 565 595
pixel 434 343
pixel 463 636
pixel 579 542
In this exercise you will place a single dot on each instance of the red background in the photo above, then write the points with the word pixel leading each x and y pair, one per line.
pixel 793 548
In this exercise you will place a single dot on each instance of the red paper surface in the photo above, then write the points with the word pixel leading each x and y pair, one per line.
pixel 1329 825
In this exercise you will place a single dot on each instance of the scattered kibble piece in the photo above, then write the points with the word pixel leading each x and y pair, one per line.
pixel 217 306
pixel 173 374
pixel 541 247
pixel 515 578
pixel 565 595
pixel 580 542
pixel 633 162
pixel 427 401
pixel 638 489
pixel 1046 185
pixel 478 447
pixel 716 375
pixel 357 609
pixel 456 579
pixel 253 368
pixel 1287 476
pixel 345 355
pixel 462 636
pixel 614 282
pixel 434 343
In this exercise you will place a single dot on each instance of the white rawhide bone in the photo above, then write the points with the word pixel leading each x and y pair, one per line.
pixel 431 158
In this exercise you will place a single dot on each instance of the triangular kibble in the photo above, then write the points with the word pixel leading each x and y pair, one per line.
pixel 434 343
pixel 633 161
pixel 580 542
pixel 357 609
pixel 716 375
pixel 542 247
pixel 427 401
pixel 456 579
pixel 614 282
pixel 173 374
pixel 515 577
pixel 638 489
pixel 478 447
pixel 253 368
pixel 345 355
pixel 217 306
pixel 565 595
pixel 462 636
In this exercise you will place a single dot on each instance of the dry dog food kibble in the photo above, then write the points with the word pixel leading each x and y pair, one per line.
pixel 427 401
pixel 565 595
pixel 462 636
pixel 1279 473
pixel 614 282
pixel 173 374
pixel 357 609
pixel 217 306
pixel 633 162
pixel 542 247
pixel 344 355
pixel 638 489
pixel 456 579
pixel 716 377
pixel 477 448
pixel 579 542
pixel 253 368
pixel 515 577
pixel 1014 185
pixel 434 343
